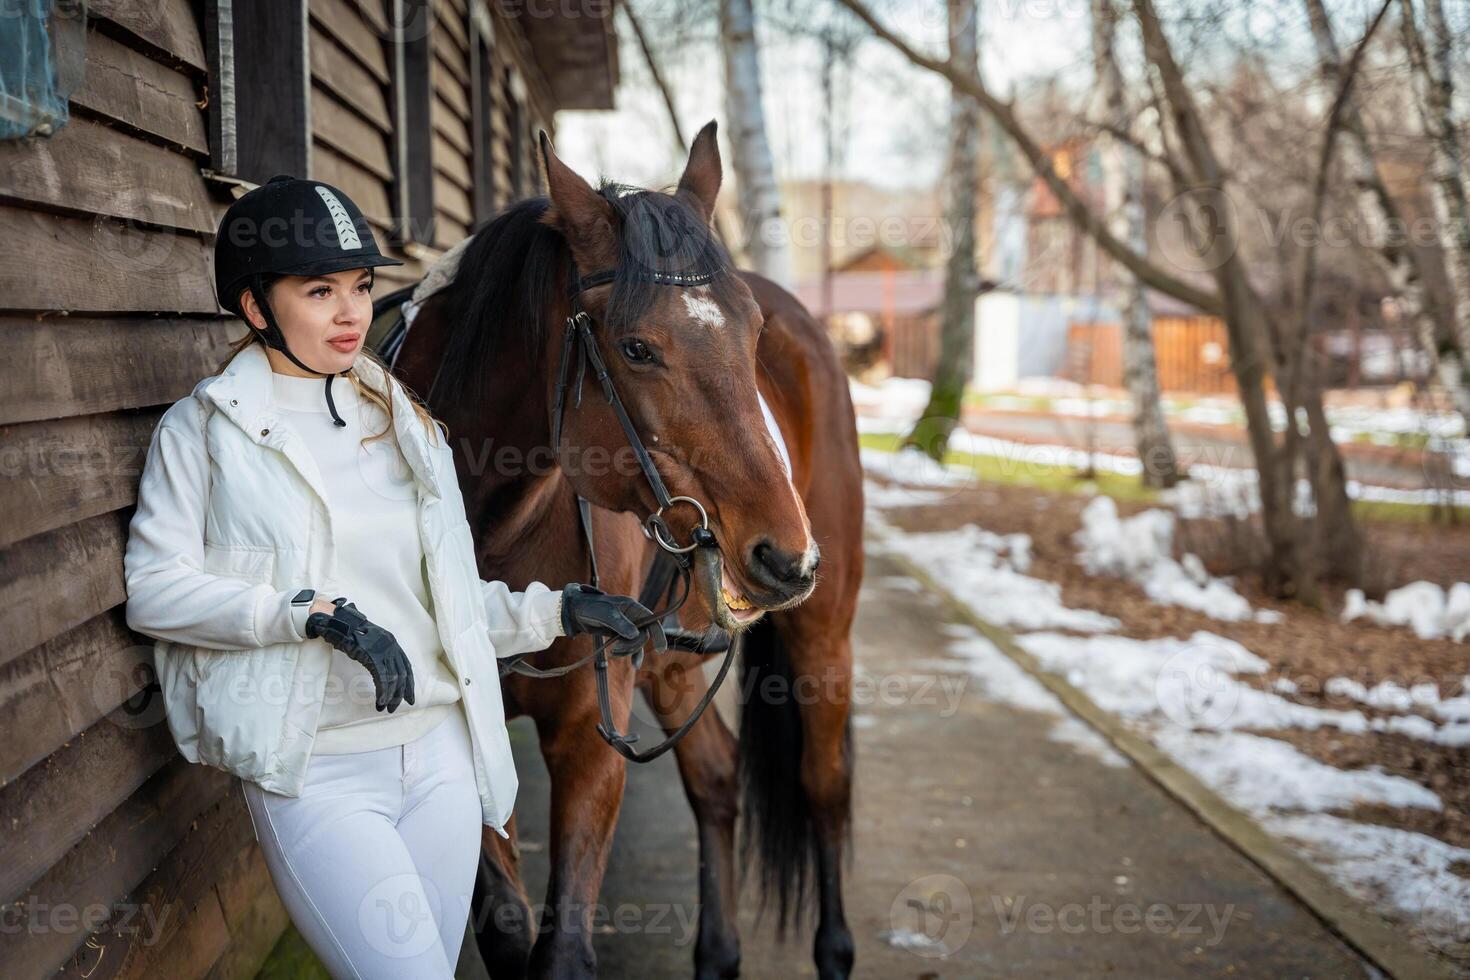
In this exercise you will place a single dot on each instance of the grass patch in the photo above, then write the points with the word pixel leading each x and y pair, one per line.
pixel 1389 512
pixel 1028 473
pixel 292 959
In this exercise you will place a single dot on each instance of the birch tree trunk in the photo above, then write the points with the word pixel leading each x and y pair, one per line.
pixel 1430 62
pixel 1123 169
pixel 1380 214
pixel 961 280
pixel 755 171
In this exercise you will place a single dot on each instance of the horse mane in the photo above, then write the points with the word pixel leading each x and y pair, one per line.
pixel 510 279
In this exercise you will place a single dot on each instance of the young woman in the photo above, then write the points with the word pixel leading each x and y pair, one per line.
pixel 368 728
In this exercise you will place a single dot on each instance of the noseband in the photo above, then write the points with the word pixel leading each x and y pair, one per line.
pixel 672 559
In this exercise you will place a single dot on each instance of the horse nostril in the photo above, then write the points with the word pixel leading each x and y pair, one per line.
pixel 781 567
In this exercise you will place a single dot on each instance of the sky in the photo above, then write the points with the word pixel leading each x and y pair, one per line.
pixel 891 113
pixel 891 116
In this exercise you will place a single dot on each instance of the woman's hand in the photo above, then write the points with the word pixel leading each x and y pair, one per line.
pixel 585 609
pixel 375 648
pixel 321 606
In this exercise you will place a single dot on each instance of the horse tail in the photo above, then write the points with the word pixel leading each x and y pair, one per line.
pixel 779 835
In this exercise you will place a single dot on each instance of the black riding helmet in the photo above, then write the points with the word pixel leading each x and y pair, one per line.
pixel 290 227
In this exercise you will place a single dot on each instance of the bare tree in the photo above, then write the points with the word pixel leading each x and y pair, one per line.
pixel 755 170
pixel 961 280
pixel 1256 341
pixel 1377 209
pixel 676 129
pixel 1123 168
pixel 1431 58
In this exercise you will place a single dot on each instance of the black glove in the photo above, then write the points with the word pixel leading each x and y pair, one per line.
pixel 585 609
pixel 372 646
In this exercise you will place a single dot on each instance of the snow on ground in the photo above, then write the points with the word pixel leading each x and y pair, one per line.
pixel 1215 487
pixel 1393 697
pixel 1141 548
pixel 1265 776
pixel 1190 698
pixel 984 568
pixel 1191 683
pixel 1002 680
pixel 1390 868
pixel 1424 607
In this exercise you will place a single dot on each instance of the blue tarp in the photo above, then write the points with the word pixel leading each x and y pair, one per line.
pixel 34 85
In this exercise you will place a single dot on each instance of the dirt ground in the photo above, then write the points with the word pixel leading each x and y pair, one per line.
pixel 1308 646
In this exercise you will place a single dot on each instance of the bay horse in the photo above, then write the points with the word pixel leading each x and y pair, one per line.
pixel 688 362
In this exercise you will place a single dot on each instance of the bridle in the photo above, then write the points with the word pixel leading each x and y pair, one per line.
pixel 672 560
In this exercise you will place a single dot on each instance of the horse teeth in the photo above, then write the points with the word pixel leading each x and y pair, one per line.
pixel 735 602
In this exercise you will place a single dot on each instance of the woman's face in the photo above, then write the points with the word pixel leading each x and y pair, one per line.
pixel 324 318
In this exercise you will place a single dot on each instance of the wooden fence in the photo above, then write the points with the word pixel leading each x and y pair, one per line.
pixel 1193 354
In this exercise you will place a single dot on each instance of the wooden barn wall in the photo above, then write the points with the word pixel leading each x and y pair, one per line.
pixel 118 858
pixel 453 154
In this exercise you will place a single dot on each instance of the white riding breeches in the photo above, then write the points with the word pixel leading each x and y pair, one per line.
pixel 375 860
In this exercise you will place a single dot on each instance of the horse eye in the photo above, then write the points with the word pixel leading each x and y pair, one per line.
pixel 637 351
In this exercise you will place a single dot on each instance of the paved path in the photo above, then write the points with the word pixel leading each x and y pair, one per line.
pixel 1044 861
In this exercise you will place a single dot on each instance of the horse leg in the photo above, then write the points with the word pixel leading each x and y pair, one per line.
pixel 501 908
pixel 587 781
pixel 707 765
pixel 826 778
pixel 796 684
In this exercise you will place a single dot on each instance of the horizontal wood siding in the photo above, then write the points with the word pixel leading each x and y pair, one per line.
pixel 108 308
pixel 107 302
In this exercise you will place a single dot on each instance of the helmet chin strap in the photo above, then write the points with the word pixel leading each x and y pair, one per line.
pixel 273 337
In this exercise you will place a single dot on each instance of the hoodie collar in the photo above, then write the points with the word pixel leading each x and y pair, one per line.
pixel 243 391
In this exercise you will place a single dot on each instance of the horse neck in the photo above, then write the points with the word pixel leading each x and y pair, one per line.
pixel 516 497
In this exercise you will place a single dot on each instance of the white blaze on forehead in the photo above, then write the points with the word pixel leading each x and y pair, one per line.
pixel 702 308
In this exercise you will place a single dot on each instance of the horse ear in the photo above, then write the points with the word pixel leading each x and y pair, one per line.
pixel 578 212
pixel 701 180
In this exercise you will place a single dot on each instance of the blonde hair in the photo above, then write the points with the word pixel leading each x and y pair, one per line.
pixel 379 398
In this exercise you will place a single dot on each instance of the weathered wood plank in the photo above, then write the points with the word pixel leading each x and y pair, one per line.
pixel 450 232
pixel 450 199
pixel 450 126
pixel 137 91
pixel 349 81
pixel 191 938
pixel 53 805
pixel 455 23
pixel 61 471
pixel 57 367
pixel 253 911
pixel 393 276
pixel 355 36
pixel 451 162
pixel 200 939
pixel 58 690
pixel 54 262
pixel 168 25
pixel 450 50
pixel 450 88
pixel 88 167
pixel 54 581
pixel 375 12
pixel 354 136
pixel 367 190
pixel 107 866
